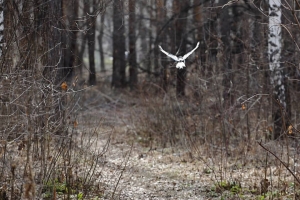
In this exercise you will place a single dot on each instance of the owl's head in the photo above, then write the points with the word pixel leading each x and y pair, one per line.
pixel 180 59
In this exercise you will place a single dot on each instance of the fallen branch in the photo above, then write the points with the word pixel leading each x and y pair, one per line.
pixel 285 165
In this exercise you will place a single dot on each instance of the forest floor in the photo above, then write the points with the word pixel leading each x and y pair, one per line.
pixel 137 169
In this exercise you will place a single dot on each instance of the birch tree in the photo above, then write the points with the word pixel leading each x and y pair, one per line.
pixel 274 55
pixel 1 25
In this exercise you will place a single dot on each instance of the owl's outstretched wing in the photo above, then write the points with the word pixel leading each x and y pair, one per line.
pixel 189 53
pixel 168 54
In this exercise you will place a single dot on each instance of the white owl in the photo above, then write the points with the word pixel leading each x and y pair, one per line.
pixel 181 59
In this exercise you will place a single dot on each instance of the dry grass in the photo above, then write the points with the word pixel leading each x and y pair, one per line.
pixel 170 131
pixel 110 144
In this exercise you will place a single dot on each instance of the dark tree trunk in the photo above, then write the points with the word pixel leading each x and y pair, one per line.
pixel 226 66
pixel 200 33
pixel 81 52
pixel 48 16
pixel 26 43
pixel 91 43
pixel 226 23
pixel 82 47
pixel 73 49
pixel 143 35
pixel 100 39
pixel 180 26
pixel 52 38
pixel 133 79
pixel 119 64
pixel 160 16
pixel 8 21
pixel 70 10
pixel 91 51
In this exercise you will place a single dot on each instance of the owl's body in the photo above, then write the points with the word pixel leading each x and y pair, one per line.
pixel 180 64
pixel 181 59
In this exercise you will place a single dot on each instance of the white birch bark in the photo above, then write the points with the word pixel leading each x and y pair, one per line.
pixel 1 25
pixel 274 50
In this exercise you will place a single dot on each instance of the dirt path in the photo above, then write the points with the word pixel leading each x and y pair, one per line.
pixel 152 175
pixel 132 171
pixel 138 173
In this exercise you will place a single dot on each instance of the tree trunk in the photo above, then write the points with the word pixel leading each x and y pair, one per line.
pixel 73 46
pixel 180 41
pixel 119 64
pixel 199 37
pixel 289 56
pixel 200 33
pixel 143 35
pixel 226 26
pixel 133 79
pixel 83 37
pixel 100 39
pixel 9 52
pixel 81 52
pixel 52 37
pixel 1 26
pixel 47 15
pixel 25 45
pixel 160 69
pixel 91 43
pixel 226 22
pixel 277 73
pixel 70 10
pixel 159 18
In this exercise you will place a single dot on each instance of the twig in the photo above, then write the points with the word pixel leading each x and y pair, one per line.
pixel 293 174
pixel 230 3
pixel 126 162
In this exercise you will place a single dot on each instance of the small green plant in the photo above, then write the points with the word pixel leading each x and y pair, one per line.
pixel 207 170
pixel 57 186
pixel 235 189
pixel 261 197
pixel 230 186
pixel 80 195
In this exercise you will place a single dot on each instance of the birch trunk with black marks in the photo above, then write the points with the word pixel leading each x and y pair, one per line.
pixel 277 73
pixel 1 26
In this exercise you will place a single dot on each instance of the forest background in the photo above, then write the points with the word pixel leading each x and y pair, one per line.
pixel 77 73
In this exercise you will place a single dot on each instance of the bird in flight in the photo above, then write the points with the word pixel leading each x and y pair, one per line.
pixel 181 59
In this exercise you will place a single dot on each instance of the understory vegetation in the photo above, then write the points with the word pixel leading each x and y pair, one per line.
pixel 127 124
pixel 70 159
